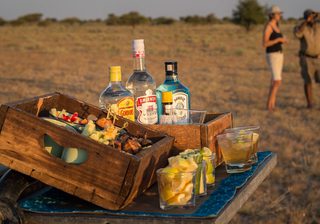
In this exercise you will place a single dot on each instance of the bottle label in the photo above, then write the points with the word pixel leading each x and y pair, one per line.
pixel 124 108
pixel 167 109
pixel 147 109
pixel 181 105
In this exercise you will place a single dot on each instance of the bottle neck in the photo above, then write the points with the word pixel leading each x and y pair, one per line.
pixel 115 83
pixel 172 77
pixel 139 64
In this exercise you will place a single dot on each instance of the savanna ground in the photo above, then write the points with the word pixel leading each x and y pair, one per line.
pixel 225 69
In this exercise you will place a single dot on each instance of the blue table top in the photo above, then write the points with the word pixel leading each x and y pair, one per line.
pixel 55 201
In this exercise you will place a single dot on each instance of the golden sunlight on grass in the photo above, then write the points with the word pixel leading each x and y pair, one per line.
pixel 225 69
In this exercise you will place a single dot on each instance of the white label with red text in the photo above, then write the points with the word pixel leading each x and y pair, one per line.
pixel 147 109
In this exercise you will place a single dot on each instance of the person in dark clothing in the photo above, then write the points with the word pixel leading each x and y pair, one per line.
pixel 308 31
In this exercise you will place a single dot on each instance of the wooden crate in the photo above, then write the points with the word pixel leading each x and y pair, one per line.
pixel 192 136
pixel 108 178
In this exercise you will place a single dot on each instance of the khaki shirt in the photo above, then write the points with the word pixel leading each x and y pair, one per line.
pixel 309 39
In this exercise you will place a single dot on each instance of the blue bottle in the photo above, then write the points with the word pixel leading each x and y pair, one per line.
pixel 180 93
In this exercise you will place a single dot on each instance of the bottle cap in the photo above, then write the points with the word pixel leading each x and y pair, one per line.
pixel 171 67
pixel 166 97
pixel 115 73
pixel 138 48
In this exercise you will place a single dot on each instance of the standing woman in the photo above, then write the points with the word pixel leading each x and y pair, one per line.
pixel 272 41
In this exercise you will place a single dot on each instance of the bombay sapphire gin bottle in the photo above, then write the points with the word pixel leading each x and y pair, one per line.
pixel 143 87
pixel 180 93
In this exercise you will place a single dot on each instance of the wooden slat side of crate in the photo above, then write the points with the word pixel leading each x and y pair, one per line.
pixel 35 104
pixel 215 125
pixel 193 136
pixel 22 149
pixel 149 164
pixel 108 178
pixel 186 136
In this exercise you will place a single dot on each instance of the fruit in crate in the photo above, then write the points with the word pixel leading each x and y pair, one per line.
pixel 64 115
pixel 102 130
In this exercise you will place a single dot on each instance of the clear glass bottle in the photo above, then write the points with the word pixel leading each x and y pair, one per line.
pixel 142 85
pixel 180 93
pixel 117 97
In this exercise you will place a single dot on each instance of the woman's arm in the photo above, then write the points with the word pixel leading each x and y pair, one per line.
pixel 266 37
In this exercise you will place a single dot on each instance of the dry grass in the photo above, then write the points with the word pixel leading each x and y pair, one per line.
pixel 225 69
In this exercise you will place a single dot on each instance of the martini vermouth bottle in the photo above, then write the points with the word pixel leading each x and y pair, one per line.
pixel 142 85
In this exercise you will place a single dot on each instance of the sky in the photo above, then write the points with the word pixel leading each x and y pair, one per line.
pixel 93 9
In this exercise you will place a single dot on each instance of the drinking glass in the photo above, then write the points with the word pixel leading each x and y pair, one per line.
pixel 176 189
pixel 201 182
pixel 236 148
pixel 185 116
pixel 210 169
pixel 256 136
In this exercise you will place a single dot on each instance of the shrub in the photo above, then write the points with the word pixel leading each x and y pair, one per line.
pixel 30 18
pixel 112 19
pixel 163 21
pixel 16 22
pixel 131 18
pixel 249 13
pixel 195 19
pixel 72 21
pixel 2 22
pixel 226 19
pixel 27 19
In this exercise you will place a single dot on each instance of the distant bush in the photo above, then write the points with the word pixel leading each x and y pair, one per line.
pixel 195 19
pixel 16 22
pixel 226 19
pixel 33 18
pixel 98 21
pixel 112 19
pixel 47 22
pixel 131 18
pixel 2 22
pixel 163 21
pixel 72 21
pixel 249 13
